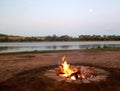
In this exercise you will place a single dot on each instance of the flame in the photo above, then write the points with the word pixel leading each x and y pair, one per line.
pixel 73 78
pixel 65 67
pixel 74 73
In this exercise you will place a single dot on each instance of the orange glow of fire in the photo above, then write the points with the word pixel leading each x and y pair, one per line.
pixel 66 71
pixel 65 68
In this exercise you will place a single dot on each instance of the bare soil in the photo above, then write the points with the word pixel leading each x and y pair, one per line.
pixel 24 71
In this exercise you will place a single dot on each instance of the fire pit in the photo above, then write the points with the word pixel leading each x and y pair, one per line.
pixel 65 77
pixel 76 73
pixel 47 79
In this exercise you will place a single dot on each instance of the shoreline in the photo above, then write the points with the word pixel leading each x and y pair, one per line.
pixel 49 51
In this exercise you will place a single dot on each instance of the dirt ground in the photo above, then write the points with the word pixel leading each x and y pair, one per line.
pixel 12 64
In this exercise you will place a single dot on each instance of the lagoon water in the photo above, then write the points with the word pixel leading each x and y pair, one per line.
pixel 46 46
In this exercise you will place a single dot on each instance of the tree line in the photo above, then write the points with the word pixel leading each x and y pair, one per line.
pixel 54 37
pixel 83 38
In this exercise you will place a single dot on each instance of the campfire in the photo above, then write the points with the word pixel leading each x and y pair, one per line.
pixel 73 72
pixel 76 73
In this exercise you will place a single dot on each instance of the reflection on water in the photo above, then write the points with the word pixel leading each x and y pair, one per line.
pixel 4 48
pixel 45 46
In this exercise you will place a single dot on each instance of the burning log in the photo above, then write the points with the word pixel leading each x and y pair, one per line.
pixel 88 72
pixel 58 71
pixel 76 75
pixel 65 70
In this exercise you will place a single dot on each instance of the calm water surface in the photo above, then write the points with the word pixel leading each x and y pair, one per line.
pixel 45 46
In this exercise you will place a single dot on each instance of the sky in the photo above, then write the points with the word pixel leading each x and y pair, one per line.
pixel 60 17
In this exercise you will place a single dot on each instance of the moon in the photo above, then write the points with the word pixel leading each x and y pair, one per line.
pixel 90 10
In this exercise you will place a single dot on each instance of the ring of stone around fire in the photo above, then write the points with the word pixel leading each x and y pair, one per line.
pixel 101 76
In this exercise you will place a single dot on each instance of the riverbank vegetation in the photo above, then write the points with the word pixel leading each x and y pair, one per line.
pixel 11 38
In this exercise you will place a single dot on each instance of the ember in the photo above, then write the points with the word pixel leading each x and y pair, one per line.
pixel 66 71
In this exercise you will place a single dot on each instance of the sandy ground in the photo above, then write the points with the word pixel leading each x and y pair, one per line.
pixel 12 64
